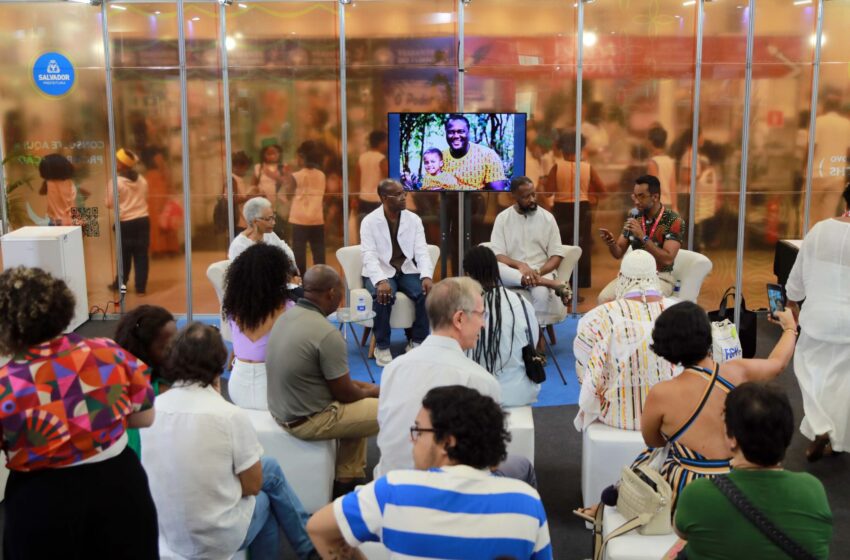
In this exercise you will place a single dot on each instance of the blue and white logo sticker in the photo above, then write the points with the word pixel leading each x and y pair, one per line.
pixel 53 74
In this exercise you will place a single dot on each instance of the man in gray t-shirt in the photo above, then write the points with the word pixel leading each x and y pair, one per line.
pixel 311 394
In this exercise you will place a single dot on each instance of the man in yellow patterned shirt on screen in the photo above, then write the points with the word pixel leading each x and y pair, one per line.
pixel 474 166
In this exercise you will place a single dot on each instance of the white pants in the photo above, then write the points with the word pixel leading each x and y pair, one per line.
pixel 666 283
pixel 548 307
pixel 247 385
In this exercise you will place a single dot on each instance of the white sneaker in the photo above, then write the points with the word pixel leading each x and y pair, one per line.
pixel 411 345
pixel 383 357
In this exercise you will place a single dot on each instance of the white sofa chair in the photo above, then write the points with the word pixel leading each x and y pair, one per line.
pixel 308 465
pixel 633 545
pixel 547 321
pixel 690 269
pixel 215 274
pixel 520 424
pixel 604 453
pixel 403 313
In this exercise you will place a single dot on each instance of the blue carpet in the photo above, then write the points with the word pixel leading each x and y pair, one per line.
pixel 553 392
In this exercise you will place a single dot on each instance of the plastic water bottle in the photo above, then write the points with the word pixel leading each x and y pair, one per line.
pixel 360 306
pixel 676 288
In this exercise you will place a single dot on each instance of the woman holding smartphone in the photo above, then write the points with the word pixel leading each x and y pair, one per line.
pixel 820 276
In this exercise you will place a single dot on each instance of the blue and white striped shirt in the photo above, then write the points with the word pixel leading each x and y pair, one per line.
pixel 454 512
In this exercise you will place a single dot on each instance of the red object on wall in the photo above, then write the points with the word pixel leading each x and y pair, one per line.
pixel 775 118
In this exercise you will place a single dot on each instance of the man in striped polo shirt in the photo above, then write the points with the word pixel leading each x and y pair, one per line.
pixel 452 506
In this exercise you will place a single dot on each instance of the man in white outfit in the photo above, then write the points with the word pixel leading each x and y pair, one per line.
pixel 395 258
pixel 456 312
pixel 527 244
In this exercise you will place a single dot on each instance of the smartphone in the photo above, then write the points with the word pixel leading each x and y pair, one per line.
pixel 775 298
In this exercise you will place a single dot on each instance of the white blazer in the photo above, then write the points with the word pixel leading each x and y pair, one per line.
pixel 376 246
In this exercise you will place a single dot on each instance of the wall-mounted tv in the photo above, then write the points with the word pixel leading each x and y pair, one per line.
pixel 456 151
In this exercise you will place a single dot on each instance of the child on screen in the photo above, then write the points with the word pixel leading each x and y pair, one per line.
pixel 435 178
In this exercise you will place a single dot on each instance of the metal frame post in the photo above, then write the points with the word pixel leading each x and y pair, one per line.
pixel 745 149
pixel 225 101
pixel 700 8
pixel 184 137
pixel 807 204
pixel 343 111
pixel 4 210
pixel 577 175
pixel 461 69
pixel 110 118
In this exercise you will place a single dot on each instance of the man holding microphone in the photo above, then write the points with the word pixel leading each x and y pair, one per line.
pixel 651 227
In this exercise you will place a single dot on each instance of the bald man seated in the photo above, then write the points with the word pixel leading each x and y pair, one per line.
pixel 311 394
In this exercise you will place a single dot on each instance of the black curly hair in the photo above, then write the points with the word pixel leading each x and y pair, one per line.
pixel 138 330
pixel 476 422
pixel 255 285
pixel 682 334
pixel 34 308
pixel 197 355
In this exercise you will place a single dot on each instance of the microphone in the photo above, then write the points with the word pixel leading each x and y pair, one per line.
pixel 633 214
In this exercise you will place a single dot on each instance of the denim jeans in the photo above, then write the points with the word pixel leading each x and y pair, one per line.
pixel 411 286
pixel 277 507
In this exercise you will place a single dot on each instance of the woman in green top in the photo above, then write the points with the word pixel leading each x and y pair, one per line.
pixel 146 333
pixel 759 424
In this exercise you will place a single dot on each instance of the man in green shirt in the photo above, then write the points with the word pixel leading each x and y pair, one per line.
pixel 759 425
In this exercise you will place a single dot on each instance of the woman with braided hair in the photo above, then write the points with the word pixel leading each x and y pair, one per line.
pixel 506 330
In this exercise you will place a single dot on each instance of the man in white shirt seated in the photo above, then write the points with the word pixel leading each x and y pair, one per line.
pixel 214 492
pixel 395 258
pixel 528 247
pixel 456 312
pixel 452 506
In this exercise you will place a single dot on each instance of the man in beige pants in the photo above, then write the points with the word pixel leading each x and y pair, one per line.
pixel 311 394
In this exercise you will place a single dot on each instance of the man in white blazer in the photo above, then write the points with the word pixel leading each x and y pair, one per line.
pixel 395 258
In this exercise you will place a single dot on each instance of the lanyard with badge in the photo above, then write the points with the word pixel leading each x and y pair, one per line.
pixel 655 225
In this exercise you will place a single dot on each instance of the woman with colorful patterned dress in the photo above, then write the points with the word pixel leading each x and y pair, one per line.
pixel 686 412
pixel 614 362
pixel 75 489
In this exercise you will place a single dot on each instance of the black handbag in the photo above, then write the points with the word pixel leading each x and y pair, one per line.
pixel 748 328
pixel 534 362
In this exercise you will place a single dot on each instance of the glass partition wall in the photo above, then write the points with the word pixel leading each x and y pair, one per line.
pixel 759 84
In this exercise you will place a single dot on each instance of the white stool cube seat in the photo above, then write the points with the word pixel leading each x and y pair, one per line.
pixel 308 465
pixel 521 426
pixel 374 551
pixel 604 453
pixel 633 545
pixel 165 553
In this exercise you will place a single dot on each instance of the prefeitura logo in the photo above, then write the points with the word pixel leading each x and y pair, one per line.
pixel 53 74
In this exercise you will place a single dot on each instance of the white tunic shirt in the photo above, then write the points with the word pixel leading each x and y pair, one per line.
pixel 821 276
pixel 531 238
pixel 193 455
pixel 438 362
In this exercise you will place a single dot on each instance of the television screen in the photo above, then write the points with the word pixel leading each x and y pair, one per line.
pixel 456 151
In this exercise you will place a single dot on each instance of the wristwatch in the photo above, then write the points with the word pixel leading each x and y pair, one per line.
pixel 645 239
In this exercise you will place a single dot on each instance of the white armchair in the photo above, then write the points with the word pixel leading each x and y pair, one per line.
pixel 690 269
pixel 403 313
pixel 215 274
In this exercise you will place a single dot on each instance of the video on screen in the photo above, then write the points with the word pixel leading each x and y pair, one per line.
pixel 456 151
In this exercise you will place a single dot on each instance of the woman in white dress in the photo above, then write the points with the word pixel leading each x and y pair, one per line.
pixel 499 348
pixel 821 276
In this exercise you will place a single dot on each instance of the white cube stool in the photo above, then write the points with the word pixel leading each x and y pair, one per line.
pixel 604 453
pixel 374 551
pixel 166 553
pixel 633 545
pixel 521 426
pixel 308 465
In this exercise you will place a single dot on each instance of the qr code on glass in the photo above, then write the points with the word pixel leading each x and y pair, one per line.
pixel 87 218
